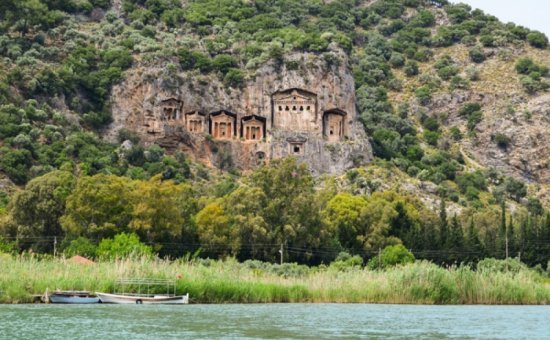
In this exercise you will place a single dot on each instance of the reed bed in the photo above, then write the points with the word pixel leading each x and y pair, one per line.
pixel 233 282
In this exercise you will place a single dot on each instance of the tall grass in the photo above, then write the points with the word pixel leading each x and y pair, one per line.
pixel 232 282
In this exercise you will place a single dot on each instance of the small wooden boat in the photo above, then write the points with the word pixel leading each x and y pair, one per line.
pixel 73 296
pixel 144 291
pixel 143 299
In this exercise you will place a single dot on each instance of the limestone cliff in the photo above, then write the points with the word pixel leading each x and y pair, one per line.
pixel 306 110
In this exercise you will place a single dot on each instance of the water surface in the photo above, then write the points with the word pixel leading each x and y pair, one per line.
pixel 273 321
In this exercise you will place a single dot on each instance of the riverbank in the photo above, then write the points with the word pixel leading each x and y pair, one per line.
pixel 233 282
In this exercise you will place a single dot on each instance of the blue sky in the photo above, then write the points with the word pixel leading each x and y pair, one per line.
pixel 533 14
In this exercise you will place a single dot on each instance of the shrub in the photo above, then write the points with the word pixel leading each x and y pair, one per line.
pixel 234 78
pixel 476 54
pixel 455 133
pixel 391 256
pixel 81 246
pixel 474 118
pixel 223 63
pixel 469 108
pixel 397 60
pixel 431 137
pixel 344 261
pixel 411 68
pixel 516 189
pixel 537 39
pixel 424 94
pixel 529 67
pixel 122 246
pixel 502 140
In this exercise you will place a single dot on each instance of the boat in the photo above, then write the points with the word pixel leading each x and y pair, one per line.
pixel 73 297
pixel 144 291
pixel 143 299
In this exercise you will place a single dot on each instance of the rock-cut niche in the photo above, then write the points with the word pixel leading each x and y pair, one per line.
pixel 195 122
pixel 253 128
pixel 223 125
pixel 334 125
pixel 295 110
pixel 170 110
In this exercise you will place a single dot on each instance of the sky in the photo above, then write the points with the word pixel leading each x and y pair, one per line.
pixel 533 14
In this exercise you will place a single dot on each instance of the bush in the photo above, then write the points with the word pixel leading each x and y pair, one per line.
pixel 537 39
pixel 391 256
pixel 469 108
pixel 477 55
pixel 424 94
pixel 529 67
pixel 502 140
pixel 234 78
pixel 397 60
pixel 411 68
pixel 81 246
pixel 344 261
pixel 431 137
pixel 223 63
pixel 122 246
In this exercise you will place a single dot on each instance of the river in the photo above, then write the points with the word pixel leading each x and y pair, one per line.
pixel 273 321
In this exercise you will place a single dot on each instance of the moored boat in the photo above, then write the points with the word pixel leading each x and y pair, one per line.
pixel 144 291
pixel 73 297
pixel 142 299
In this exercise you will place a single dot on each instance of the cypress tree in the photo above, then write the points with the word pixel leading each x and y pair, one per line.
pixel 443 224
pixel 501 236
pixel 511 239
pixel 473 244
pixel 455 241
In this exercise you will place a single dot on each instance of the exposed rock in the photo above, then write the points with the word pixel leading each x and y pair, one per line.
pixel 527 156
pixel 307 111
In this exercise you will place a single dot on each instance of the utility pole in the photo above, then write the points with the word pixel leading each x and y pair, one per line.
pixel 54 246
pixel 281 251
pixel 379 257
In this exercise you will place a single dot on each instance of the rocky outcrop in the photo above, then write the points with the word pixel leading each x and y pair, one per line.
pixel 304 108
pixel 524 120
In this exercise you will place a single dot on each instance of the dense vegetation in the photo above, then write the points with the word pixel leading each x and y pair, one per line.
pixel 82 195
pixel 491 282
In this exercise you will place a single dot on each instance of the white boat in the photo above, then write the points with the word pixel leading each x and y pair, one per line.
pixel 143 299
pixel 144 291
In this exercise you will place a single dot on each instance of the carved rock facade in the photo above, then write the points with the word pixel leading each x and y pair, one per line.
pixel 307 112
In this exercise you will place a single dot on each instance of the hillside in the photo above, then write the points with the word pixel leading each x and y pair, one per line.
pixel 444 112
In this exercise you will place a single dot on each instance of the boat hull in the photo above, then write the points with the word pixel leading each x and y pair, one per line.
pixel 132 299
pixel 69 299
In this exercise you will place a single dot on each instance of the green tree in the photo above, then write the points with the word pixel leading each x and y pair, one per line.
pixel 36 209
pixel 155 211
pixel 217 236
pixel 343 216
pixel 99 207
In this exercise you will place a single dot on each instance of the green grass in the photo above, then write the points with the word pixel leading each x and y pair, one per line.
pixel 232 282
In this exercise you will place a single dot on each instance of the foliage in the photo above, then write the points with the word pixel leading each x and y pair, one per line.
pixel 122 246
pixel 80 246
pixel 391 256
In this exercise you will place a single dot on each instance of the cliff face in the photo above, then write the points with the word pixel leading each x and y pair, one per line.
pixel 306 110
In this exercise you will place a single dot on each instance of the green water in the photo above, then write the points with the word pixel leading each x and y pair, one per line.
pixel 273 321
